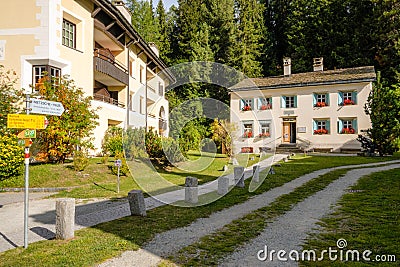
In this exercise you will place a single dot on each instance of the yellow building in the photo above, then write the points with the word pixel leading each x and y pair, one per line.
pixel 94 43
pixel 319 110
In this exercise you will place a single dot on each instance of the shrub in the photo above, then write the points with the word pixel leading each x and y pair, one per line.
pixel 81 161
pixel 11 157
pixel 172 151
pixel 112 142
pixel 134 143
pixel 123 169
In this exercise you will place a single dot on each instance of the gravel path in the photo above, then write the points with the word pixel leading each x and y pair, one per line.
pixel 167 243
pixel 290 230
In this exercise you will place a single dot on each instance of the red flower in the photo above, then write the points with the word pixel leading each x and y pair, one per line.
pixel 265 107
pixel 261 135
pixel 246 108
pixel 248 135
pixel 348 131
pixel 321 131
pixel 348 102
pixel 321 104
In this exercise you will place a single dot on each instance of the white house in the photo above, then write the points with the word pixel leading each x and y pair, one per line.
pixel 319 110
pixel 94 42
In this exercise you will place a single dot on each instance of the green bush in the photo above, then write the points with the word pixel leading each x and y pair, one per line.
pixel 112 141
pixel 134 143
pixel 172 150
pixel 81 161
pixel 123 171
pixel 11 157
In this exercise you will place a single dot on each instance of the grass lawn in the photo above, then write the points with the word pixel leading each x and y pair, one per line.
pixel 95 244
pixel 97 181
pixel 368 219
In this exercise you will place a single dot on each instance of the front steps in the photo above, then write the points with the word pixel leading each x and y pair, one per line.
pixel 288 149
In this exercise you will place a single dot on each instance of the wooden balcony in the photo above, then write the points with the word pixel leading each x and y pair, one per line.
pixel 105 63
pixel 109 100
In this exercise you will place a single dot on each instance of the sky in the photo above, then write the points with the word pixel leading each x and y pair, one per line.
pixel 167 3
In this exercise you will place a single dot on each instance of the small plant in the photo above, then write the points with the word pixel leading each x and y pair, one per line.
pixel 248 135
pixel 246 108
pixel 81 161
pixel 348 102
pixel 264 135
pixel 321 104
pixel 265 107
pixel 123 169
pixel 11 157
pixel 348 131
pixel 321 131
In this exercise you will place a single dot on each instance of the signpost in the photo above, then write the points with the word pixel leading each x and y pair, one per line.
pixel 46 107
pixel 31 123
pixel 118 163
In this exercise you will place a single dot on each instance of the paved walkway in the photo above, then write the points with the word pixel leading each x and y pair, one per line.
pixel 42 211
pixel 169 242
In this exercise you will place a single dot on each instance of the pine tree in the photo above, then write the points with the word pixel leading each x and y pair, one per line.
pixel 250 32
pixel 163 42
pixel 143 19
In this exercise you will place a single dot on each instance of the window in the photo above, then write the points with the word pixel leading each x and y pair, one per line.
pixel 247 129
pixel 69 34
pixel 321 127
pixel 141 105
pixel 160 89
pixel 264 103
pixel 246 104
pixel 40 73
pixel 289 102
pixel 347 98
pixel 131 67
pixel 265 129
pixel 347 126
pixel 141 74
pixel 321 100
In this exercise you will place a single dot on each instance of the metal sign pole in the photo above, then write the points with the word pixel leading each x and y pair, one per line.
pixel 118 178
pixel 26 195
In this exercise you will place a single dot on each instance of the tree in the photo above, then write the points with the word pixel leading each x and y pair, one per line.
pixel 143 19
pixel 222 132
pixel 383 107
pixel 72 129
pixel 250 32
pixel 10 97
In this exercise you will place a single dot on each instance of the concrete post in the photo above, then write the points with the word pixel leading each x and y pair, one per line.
pixel 223 185
pixel 238 174
pixel 136 203
pixel 256 173
pixel 65 218
pixel 191 190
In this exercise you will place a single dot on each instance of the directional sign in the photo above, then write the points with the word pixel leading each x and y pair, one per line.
pixel 46 107
pixel 22 121
pixel 27 134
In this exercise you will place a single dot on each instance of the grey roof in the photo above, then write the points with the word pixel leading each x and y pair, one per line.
pixel 338 76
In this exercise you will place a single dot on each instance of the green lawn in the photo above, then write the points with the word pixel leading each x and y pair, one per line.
pixel 368 219
pixel 95 244
pixel 97 181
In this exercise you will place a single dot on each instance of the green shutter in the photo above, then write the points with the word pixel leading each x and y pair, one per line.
pixel 315 126
pixel 354 124
pixel 241 104
pixel 259 102
pixel 327 99
pixel 340 126
pixel 354 96
pixel 283 102
pixel 314 99
pixel 270 101
pixel 340 98
pixel 295 101
pixel 328 126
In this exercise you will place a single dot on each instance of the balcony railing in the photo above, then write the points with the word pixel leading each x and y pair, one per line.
pixel 104 62
pixel 107 99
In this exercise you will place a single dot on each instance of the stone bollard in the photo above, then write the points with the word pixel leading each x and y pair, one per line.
pixel 65 218
pixel 225 168
pixel 285 159
pixel 223 185
pixel 256 173
pixel 191 190
pixel 136 203
pixel 271 170
pixel 238 174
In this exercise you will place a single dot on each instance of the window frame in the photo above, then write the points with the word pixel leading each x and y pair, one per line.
pixel 265 129
pixel 321 126
pixel 245 129
pixel 50 70
pixel 66 39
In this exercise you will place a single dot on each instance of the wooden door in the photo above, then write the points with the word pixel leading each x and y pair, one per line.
pixel 286 132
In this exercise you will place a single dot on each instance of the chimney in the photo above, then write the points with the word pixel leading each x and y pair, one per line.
pixel 287 66
pixel 120 5
pixel 318 64
pixel 154 48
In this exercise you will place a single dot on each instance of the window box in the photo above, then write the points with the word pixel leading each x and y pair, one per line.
pixel 246 150
pixel 321 131
pixel 248 135
pixel 321 104
pixel 264 135
pixel 347 102
pixel 348 131
pixel 246 108
pixel 265 107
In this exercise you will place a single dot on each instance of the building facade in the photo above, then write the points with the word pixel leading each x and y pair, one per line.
pixel 94 43
pixel 319 110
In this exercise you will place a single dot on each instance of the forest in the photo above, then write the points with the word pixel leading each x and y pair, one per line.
pixel 253 36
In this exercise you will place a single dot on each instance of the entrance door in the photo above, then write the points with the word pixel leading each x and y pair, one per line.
pixel 289 132
pixel 286 132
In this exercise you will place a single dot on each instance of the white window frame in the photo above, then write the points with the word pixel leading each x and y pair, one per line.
pixel 290 101
pixel 246 128
pixel 69 34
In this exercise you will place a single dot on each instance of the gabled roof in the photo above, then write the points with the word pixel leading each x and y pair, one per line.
pixel 339 76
